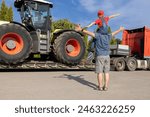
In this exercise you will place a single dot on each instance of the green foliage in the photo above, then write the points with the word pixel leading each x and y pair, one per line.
pixel 10 14
pixel 66 24
pixel 62 24
pixel 109 30
pixel 6 13
pixel 3 11
pixel 113 41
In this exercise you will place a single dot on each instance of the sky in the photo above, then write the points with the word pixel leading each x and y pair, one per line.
pixel 134 13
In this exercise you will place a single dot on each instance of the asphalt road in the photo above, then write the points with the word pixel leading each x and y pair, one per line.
pixel 78 85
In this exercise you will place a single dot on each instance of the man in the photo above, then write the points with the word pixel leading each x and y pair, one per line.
pixel 102 38
pixel 99 22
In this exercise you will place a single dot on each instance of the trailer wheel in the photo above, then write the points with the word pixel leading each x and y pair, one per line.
pixel 15 43
pixel 148 61
pixel 69 48
pixel 119 64
pixel 131 64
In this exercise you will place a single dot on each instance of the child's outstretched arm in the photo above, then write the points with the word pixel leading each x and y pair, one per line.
pixel 115 15
pixel 91 24
pixel 117 31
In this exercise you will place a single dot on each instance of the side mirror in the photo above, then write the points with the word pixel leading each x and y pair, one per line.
pixel 51 5
pixel 36 6
pixel 18 3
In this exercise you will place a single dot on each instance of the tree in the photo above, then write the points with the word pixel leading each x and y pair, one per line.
pixel 6 13
pixel 3 11
pixel 9 16
pixel 62 24
pixel 113 41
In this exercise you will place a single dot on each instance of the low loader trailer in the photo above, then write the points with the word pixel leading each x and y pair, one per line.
pixel 31 44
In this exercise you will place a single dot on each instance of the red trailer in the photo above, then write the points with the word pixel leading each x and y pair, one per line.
pixel 138 41
pixel 135 51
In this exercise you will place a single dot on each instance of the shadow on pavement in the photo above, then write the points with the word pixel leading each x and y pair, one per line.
pixel 81 80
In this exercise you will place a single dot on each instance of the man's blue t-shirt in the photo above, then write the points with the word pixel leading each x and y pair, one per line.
pixel 102 43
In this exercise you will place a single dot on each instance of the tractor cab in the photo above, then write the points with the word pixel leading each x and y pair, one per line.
pixel 35 14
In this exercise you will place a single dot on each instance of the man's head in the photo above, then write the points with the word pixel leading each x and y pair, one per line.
pixel 100 13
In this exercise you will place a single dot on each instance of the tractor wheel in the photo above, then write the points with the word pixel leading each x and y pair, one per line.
pixel 15 43
pixel 131 64
pixel 69 48
pixel 119 64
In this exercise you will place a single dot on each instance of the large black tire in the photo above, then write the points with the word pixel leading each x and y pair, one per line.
pixel 77 48
pixel 119 64
pixel 15 43
pixel 148 62
pixel 131 64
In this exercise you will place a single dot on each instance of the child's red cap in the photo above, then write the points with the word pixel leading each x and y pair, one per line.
pixel 100 12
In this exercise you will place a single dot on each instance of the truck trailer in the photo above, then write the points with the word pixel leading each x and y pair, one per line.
pixel 134 51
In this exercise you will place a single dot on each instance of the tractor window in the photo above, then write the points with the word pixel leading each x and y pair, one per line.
pixel 39 15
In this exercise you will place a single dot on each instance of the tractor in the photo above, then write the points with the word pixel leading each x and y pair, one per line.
pixel 33 39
